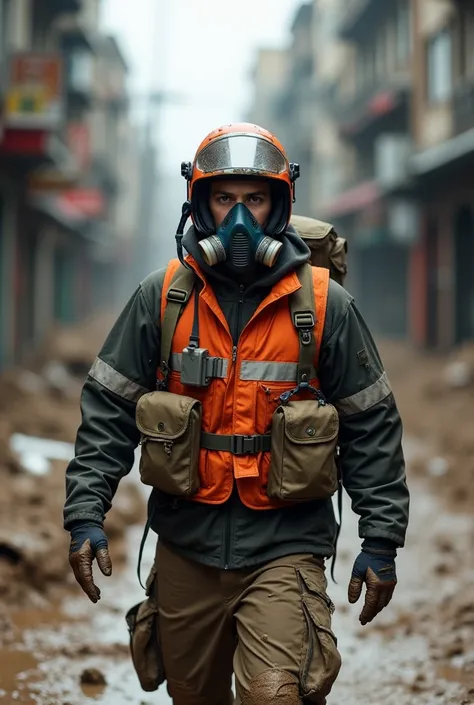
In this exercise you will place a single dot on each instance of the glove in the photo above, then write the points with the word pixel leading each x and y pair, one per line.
pixel 374 566
pixel 88 541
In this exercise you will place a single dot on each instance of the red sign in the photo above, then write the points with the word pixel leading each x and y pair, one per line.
pixel 32 143
pixel 382 103
pixel 90 202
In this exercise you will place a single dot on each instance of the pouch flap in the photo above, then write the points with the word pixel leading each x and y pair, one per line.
pixel 310 228
pixel 164 415
pixel 308 422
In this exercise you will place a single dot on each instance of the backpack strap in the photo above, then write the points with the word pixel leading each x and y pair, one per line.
pixel 178 294
pixel 303 315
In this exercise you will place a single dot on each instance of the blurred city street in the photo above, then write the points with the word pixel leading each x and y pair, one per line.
pixel 101 101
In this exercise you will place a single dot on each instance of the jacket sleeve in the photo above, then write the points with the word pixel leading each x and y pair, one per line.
pixel 353 379
pixel 107 437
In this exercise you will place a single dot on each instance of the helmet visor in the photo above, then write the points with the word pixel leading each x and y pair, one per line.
pixel 244 154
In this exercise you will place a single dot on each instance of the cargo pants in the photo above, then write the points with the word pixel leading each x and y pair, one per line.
pixel 266 625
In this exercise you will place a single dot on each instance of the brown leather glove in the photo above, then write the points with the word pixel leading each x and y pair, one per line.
pixel 88 542
pixel 374 566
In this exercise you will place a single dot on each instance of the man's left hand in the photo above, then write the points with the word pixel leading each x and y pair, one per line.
pixel 374 566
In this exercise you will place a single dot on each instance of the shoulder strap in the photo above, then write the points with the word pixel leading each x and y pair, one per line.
pixel 303 314
pixel 178 294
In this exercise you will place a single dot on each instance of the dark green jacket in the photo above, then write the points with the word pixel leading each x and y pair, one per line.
pixel 231 535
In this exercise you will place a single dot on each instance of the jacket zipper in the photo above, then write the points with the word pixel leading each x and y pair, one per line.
pixel 227 528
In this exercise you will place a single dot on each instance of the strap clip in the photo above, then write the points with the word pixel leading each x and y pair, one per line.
pixel 246 445
pixel 178 295
pixel 304 322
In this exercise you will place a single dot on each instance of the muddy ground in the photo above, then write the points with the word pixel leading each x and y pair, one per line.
pixel 56 648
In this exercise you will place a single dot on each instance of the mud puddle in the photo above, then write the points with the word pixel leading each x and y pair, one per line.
pixel 77 653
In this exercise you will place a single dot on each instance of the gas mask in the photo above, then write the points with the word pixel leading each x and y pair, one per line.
pixel 240 242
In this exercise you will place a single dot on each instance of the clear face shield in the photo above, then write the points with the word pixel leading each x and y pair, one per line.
pixel 241 154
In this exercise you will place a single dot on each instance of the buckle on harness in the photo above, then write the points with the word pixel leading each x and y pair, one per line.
pixel 304 322
pixel 304 319
pixel 246 445
pixel 178 295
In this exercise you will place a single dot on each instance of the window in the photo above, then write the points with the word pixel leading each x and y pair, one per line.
pixel 439 67
pixel 464 47
pixel 403 32
pixel 80 70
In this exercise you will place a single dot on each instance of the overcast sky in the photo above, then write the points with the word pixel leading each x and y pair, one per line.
pixel 205 48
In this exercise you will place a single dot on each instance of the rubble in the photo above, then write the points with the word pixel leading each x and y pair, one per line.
pixel 92 676
pixel 438 411
pixel 39 416
pixel 436 402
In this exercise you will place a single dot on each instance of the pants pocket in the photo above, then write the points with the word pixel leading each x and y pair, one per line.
pixel 321 660
pixel 145 648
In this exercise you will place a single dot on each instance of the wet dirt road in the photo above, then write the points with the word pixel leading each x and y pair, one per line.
pixel 391 661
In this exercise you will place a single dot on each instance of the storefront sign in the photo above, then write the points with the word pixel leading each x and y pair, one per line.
pixel 89 201
pixel 33 95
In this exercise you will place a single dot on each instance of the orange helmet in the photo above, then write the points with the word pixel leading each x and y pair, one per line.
pixel 241 150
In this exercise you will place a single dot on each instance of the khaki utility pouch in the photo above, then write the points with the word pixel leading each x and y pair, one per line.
pixel 145 648
pixel 170 427
pixel 303 452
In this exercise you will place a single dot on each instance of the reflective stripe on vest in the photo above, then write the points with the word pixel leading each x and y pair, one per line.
pixel 251 370
pixel 270 371
pixel 242 401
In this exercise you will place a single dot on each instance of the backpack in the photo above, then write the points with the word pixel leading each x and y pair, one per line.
pixel 327 249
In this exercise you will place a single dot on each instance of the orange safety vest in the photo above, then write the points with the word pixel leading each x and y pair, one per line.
pixel 258 370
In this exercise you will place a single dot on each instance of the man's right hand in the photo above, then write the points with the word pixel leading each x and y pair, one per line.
pixel 88 541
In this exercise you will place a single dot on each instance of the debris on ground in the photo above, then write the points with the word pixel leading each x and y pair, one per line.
pixel 435 396
pixel 92 676
pixel 437 408
pixel 39 417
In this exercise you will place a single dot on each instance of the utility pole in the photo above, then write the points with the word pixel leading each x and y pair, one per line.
pixel 145 254
pixel 146 257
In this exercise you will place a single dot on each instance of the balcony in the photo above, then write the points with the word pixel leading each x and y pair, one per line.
pixel 358 16
pixel 61 6
pixel 463 106
pixel 380 106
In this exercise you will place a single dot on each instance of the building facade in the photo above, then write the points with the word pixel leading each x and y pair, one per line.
pixel 390 144
pixel 66 169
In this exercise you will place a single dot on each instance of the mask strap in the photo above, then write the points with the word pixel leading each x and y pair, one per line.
pixel 185 213
pixel 194 337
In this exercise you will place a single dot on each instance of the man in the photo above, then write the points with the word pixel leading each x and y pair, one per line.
pixel 240 576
